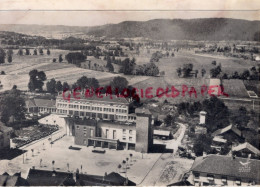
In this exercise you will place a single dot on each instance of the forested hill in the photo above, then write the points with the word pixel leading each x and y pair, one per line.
pixel 174 29
pixel 179 29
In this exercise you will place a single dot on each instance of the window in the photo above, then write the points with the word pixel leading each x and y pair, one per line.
pixel 124 138
pixel 85 134
pixel 124 131
pixel 210 177
pixel 130 132
pixel 91 133
pixel 224 179
pixel 114 134
pixel 77 127
pixel 107 131
pixel 85 141
pixel 84 128
pixel 130 139
pixel 196 175
pixel 238 181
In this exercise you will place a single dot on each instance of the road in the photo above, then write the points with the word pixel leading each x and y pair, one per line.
pixel 154 174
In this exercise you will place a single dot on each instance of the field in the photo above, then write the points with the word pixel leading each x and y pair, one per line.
pixel 17 71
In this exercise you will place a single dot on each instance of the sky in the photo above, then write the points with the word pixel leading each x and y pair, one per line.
pixel 100 12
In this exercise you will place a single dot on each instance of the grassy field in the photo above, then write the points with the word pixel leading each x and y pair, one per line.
pixel 17 71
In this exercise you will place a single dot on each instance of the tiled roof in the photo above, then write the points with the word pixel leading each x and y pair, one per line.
pixel 107 99
pixel 248 146
pixel 228 166
pixel 40 103
pixel 48 178
pixel 44 102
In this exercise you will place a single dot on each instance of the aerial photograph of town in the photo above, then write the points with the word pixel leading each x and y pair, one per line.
pixel 129 93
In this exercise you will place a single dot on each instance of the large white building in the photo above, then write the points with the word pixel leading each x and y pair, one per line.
pixel 116 108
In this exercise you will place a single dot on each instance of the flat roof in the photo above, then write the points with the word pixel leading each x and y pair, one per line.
pixel 105 98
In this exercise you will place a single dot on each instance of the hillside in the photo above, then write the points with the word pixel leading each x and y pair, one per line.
pixel 164 29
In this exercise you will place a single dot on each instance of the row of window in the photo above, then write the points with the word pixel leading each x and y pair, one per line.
pixel 61 103
pixel 130 131
pixel 211 178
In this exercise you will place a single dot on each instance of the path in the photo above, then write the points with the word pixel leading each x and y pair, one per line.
pixel 155 173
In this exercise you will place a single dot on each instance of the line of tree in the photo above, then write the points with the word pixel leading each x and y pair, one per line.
pixel 75 58
pixel 251 74
pixel 185 70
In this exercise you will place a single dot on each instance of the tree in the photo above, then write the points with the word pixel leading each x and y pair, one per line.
pixel 235 75
pixel 51 86
pixel 53 162
pixel 187 68
pixel 214 62
pixel 65 86
pixel 36 80
pixel 48 51
pixel 225 76
pixel 127 66
pixel 58 86
pixel 202 143
pixel 203 72
pixel 35 52
pixel 12 104
pixel 214 72
pixel 241 118
pixel 131 157
pixel 2 56
pixel 119 167
pixel 27 51
pixel 40 51
pixel 82 82
pixel 20 52
pixel 217 113
pixel 110 67
pixel 119 83
pixel 54 60
pixel 151 69
pixel 60 58
pixel 9 58
pixel 75 58
pixel 179 72
pixel 245 75
pixel 169 120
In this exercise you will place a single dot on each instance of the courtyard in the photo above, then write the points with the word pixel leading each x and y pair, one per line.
pixel 59 157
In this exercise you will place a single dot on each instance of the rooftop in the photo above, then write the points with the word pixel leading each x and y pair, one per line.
pixel 226 129
pixel 248 146
pixel 105 98
pixel 228 166
pixel 40 103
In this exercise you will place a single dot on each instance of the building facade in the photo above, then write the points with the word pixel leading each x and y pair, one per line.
pixel 40 106
pixel 225 171
pixel 136 135
pixel 115 108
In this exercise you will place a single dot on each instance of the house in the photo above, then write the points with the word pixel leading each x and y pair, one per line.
pixel 162 134
pixel 230 133
pixel 14 180
pixel 38 177
pixel 5 133
pixel 218 143
pixel 245 150
pixel 40 106
pixel 225 170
